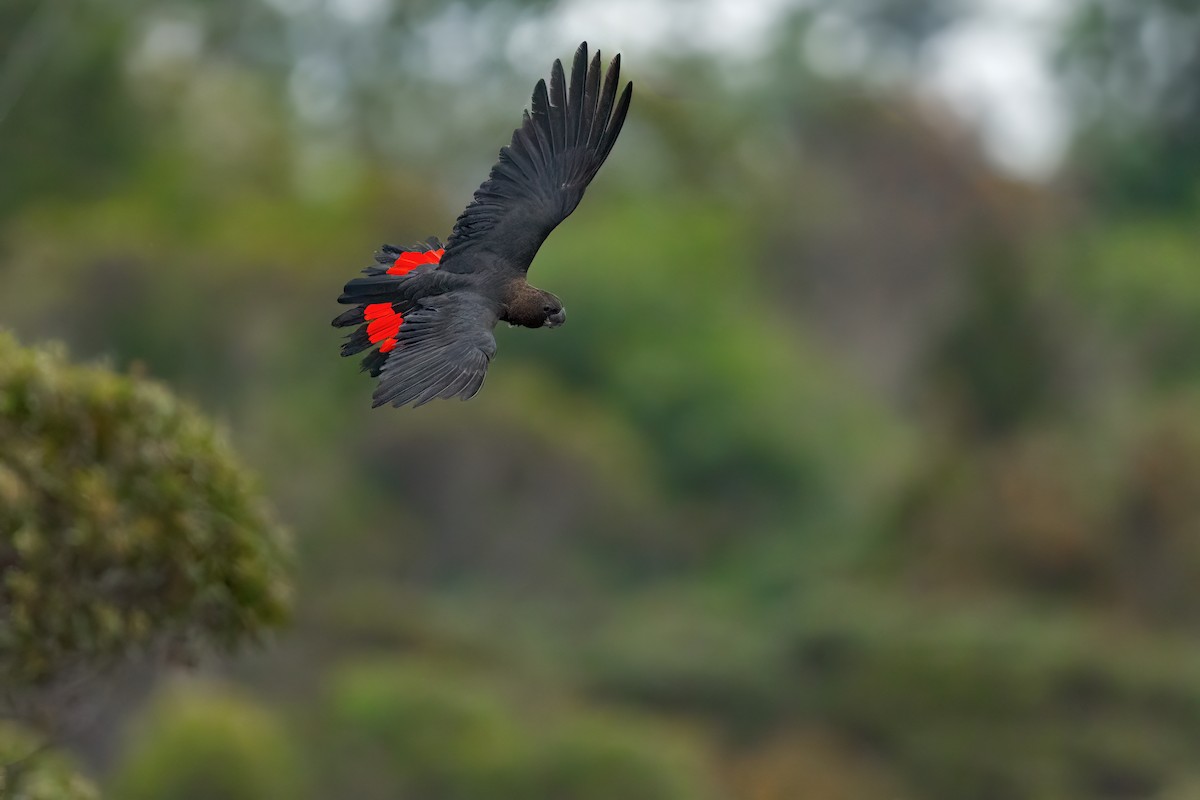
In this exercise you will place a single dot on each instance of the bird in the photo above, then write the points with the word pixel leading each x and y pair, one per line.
pixel 426 313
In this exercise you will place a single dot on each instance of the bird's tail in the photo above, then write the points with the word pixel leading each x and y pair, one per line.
pixel 376 318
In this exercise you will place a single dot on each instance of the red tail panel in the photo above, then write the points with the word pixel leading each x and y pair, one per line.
pixel 407 262
pixel 382 322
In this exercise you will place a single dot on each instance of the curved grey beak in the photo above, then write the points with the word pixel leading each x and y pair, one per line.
pixel 557 318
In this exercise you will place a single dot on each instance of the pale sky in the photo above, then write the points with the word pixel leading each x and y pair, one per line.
pixel 993 71
pixel 990 69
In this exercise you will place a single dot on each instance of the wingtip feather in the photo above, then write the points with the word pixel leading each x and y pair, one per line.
pixel 616 123
pixel 575 97
pixel 558 106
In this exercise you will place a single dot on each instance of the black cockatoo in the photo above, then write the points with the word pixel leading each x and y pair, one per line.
pixel 426 313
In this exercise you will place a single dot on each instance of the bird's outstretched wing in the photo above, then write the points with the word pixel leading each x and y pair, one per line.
pixel 441 350
pixel 542 173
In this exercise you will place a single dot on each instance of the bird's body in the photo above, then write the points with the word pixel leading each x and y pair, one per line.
pixel 426 313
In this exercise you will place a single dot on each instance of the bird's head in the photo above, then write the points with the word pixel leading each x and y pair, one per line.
pixel 533 308
pixel 553 313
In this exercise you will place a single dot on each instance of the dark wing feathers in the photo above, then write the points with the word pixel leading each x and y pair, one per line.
pixel 591 92
pixel 421 281
pixel 442 351
pixel 386 255
pixel 436 339
pixel 604 132
pixel 539 179
pixel 384 286
pixel 402 291
pixel 381 287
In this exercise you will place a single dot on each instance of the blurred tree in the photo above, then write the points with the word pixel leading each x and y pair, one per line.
pixel 83 106
pixel 1136 275
pixel 1133 70
pixel 995 366
pixel 125 522
pixel 894 29
pixel 68 125
pixel 126 528
pixel 1099 520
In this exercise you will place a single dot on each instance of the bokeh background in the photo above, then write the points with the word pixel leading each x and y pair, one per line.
pixel 868 465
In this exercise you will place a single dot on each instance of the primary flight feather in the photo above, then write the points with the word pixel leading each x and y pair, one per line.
pixel 426 312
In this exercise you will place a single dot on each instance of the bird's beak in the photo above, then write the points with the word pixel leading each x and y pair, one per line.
pixel 557 318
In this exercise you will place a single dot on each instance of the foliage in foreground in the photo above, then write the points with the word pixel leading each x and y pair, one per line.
pixel 32 774
pixel 125 523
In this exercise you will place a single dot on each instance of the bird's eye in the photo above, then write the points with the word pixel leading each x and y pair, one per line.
pixel 548 309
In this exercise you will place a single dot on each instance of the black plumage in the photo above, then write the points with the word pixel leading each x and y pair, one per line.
pixel 427 312
pixel 542 173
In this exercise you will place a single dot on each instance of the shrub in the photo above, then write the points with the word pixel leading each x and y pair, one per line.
pixel 125 523
pixel 197 743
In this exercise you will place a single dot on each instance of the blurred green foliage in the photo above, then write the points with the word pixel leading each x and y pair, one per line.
pixel 48 147
pixel 862 467
pixel 405 732
pixel 200 742
pixel 1132 71
pixel 422 730
pixel 127 523
pixel 32 773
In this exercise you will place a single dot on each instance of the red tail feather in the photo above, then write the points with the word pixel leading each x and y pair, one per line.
pixel 407 262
